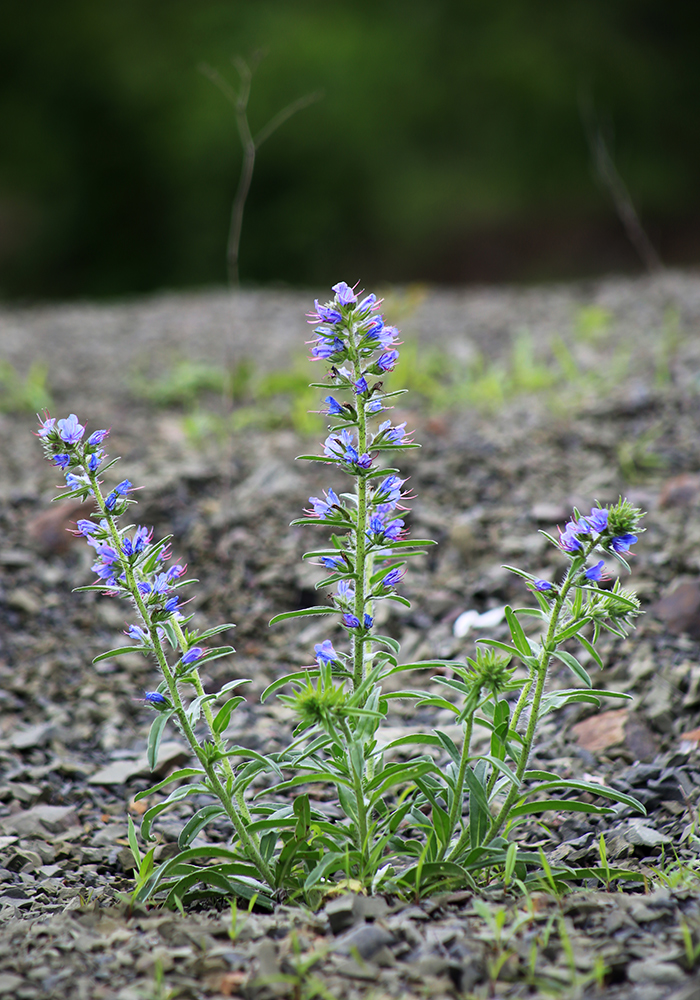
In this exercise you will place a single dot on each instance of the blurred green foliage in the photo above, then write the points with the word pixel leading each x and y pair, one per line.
pixel 28 395
pixel 443 120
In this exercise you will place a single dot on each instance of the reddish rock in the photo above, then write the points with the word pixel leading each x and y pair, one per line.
pixel 620 729
pixel 680 491
pixel 50 531
pixel 680 610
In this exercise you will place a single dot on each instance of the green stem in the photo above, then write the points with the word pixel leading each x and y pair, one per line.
pixel 457 800
pixel 249 845
pixel 541 676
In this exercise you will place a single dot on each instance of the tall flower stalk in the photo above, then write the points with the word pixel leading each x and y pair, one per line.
pixel 129 565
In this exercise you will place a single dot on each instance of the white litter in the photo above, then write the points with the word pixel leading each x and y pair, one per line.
pixel 471 619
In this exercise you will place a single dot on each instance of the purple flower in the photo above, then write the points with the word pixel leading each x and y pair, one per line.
pixel 97 437
pixel 369 621
pixel 95 460
pixel 331 562
pixel 367 302
pixel 46 426
pixel 351 621
pixel 597 519
pixel 137 633
pixel 155 698
pixel 363 461
pixel 394 435
pixel 327 349
pixel 70 430
pixel 142 537
pixel 324 508
pixel 379 530
pixel 387 361
pixel 326 313
pixel 542 584
pixel 392 577
pixel 568 538
pixel 334 407
pixel 175 572
pixel 360 386
pixel 123 487
pixel 388 493
pixel 192 655
pixel 346 592
pixel 86 527
pixel 374 406
pixel 325 653
pixel 62 461
pixel 344 294
pixel 596 572
pixel 74 482
pixel 623 542
pixel 171 605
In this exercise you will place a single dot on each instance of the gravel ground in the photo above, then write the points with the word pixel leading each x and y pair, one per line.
pixel 622 419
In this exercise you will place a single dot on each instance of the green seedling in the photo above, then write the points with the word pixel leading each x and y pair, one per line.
pixel 24 396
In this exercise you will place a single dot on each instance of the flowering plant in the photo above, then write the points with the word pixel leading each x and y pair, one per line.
pixel 439 818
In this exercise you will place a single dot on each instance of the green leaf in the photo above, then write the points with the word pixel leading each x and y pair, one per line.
pixel 479 814
pixel 223 716
pixel 184 772
pixel 571 629
pixel 154 737
pixel 531 661
pixel 298 675
pixel 516 631
pixel 587 645
pixel 133 842
pixel 603 791
pixel 323 609
pixel 449 745
pixel 214 631
pixel 404 741
pixel 120 650
pixel 560 805
pixel 197 822
pixel 574 666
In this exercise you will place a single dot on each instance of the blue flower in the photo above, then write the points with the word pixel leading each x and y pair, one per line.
pixel 369 621
pixel 95 460
pixel 542 585
pixel 142 537
pixel 86 527
pixel 373 406
pixel 171 604
pixel 351 621
pixel 326 313
pixel 346 592
pixel 46 426
pixel 324 508
pixel 175 572
pixel 334 407
pixel 360 386
pixel 70 429
pixel 137 633
pixel 622 542
pixel 597 519
pixel 387 361
pixel 388 493
pixel 392 577
pixel 75 482
pixel 327 349
pixel 568 538
pixel 331 562
pixel 394 435
pixel 97 437
pixel 344 294
pixel 62 461
pixel 596 572
pixel 155 698
pixel 380 530
pixel 325 653
pixel 192 655
pixel 367 303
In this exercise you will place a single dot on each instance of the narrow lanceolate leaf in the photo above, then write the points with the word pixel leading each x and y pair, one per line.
pixel 154 737
pixel 574 666
pixel 516 631
pixel 604 791
pixel 322 609
pixel 530 661
pixel 120 651
pixel 571 629
pixel 184 772
pixel 560 805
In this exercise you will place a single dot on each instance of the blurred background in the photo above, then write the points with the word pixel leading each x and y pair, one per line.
pixel 450 145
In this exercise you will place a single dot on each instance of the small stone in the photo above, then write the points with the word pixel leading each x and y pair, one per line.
pixel 645 836
pixel 170 755
pixel 366 940
pixel 548 513
pixel 342 912
pixel 680 610
pixel 616 730
pixel 679 491
pixel 22 599
pixel 649 970
pixel 32 736
pixel 9 983
pixel 42 818
pixel 50 531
